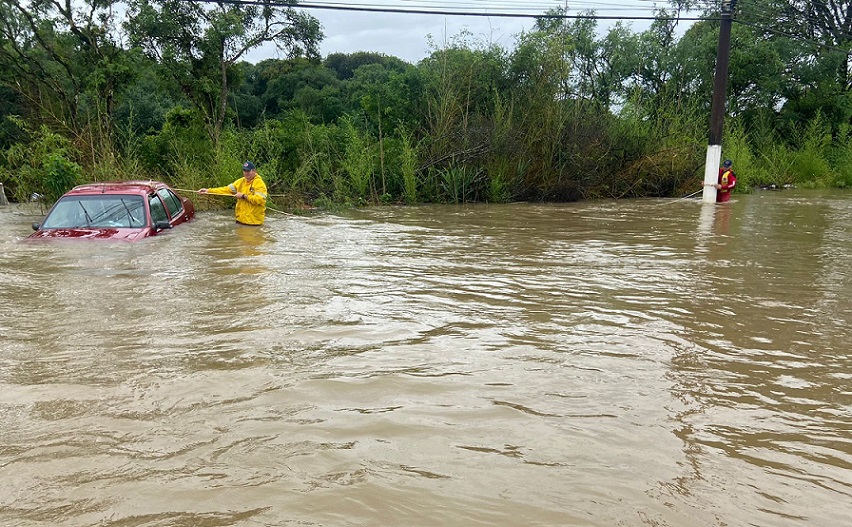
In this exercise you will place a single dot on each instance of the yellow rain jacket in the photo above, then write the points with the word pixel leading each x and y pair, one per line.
pixel 250 210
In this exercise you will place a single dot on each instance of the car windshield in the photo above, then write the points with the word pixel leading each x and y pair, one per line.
pixel 97 212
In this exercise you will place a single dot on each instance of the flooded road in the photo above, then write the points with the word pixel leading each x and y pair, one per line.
pixel 627 363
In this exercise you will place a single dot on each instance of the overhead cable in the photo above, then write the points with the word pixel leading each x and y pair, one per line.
pixel 377 9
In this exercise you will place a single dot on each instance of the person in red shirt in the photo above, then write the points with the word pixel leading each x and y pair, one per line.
pixel 727 181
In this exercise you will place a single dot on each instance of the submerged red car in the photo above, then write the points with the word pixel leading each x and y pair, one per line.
pixel 128 210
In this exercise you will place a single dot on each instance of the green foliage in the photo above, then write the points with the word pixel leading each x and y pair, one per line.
pixel 810 164
pixel 344 65
pixel 840 158
pixel 182 141
pixel 59 175
pixel 357 162
pixel 199 44
pixel 408 167
pixel 813 158
pixel 384 97
pixel 11 105
pixel 502 179
pixel 143 108
pixel 460 184
pixel 300 84
pixel 571 112
pixel 750 172
pixel 65 61
pixel 499 187
pixel 317 172
pixel 41 164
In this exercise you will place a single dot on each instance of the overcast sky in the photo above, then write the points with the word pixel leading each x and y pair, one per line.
pixel 406 35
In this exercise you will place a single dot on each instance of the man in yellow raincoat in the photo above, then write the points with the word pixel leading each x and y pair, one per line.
pixel 250 192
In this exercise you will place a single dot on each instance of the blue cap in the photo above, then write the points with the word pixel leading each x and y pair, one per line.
pixel 726 164
pixel 248 165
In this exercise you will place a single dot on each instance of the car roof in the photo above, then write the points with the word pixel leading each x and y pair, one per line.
pixel 142 188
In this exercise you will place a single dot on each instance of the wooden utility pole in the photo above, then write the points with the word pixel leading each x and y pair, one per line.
pixel 717 108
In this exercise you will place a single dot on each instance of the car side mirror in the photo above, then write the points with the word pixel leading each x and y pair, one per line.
pixel 162 225
pixel 36 226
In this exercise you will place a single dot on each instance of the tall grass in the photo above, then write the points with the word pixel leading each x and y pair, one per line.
pixel 840 158
pixel 358 160
pixel 812 158
pixel 408 166
pixel 810 165
pixel 548 147
pixel 459 184
pixel 505 165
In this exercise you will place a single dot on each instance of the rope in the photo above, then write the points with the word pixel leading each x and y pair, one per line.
pixel 231 196
pixel 196 192
pixel 694 193
pixel 677 200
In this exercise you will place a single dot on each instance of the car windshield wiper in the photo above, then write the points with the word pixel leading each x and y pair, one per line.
pixel 109 213
pixel 88 218
pixel 129 214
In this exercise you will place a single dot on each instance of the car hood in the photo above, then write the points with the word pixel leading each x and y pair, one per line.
pixel 92 234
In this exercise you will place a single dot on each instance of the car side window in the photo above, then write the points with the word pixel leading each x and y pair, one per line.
pixel 173 203
pixel 158 211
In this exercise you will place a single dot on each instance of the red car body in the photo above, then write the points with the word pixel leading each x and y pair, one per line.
pixel 128 210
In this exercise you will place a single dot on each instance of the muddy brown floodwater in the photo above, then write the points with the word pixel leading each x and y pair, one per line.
pixel 615 363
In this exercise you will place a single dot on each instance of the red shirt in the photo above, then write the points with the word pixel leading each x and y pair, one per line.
pixel 728 181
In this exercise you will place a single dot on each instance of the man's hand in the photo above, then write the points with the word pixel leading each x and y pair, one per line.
pixel 202 191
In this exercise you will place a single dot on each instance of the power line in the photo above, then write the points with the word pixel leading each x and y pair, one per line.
pixel 381 8
pixel 376 9
pixel 792 36
pixel 506 6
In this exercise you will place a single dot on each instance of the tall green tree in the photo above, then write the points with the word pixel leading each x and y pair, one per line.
pixel 387 99
pixel 816 36
pixel 63 56
pixel 460 86
pixel 657 79
pixel 308 86
pixel 199 43
pixel 345 64
pixel 826 21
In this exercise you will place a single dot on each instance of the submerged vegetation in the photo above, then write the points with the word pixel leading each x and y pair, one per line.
pixel 569 113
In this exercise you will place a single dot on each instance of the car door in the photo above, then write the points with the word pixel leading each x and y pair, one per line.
pixel 174 206
pixel 158 211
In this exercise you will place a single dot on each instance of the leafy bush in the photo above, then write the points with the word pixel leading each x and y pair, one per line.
pixel 42 164
pixel 460 184
pixel 357 162
pixel 841 158
pixel 60 175
pixel 810 163
pixel 183 141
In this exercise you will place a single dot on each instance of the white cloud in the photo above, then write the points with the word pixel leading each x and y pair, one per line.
pixel 405 36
